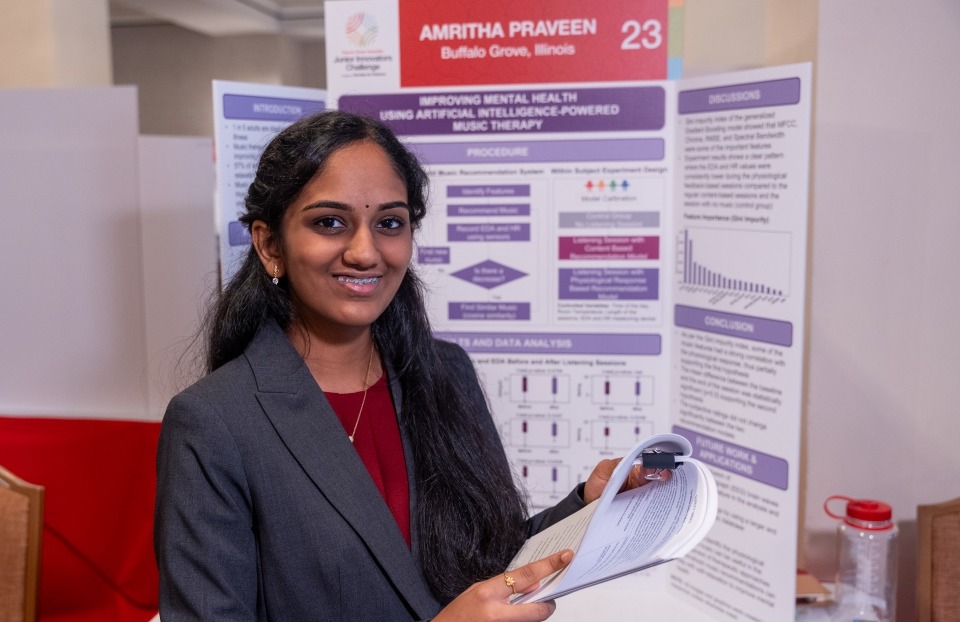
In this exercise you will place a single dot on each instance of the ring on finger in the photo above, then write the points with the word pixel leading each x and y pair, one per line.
pixel 509 581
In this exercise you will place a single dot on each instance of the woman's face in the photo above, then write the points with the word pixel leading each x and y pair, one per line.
pixel 347 241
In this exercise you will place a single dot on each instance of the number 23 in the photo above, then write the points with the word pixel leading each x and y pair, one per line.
pixel 647 35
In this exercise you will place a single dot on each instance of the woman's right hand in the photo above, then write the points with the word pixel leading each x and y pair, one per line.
pixel 490 599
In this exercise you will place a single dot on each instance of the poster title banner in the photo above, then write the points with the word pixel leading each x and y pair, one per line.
pixel 620 109
pixel 502 42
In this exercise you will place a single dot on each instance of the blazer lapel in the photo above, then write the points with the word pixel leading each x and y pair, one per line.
pixel 309 428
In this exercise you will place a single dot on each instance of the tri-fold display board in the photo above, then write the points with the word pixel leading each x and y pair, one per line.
pixel 622 254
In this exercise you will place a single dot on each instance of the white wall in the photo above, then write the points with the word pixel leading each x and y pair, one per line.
pixel 179 251
pixel 109 252
pixel 173 70
pixel 71 322
pixel 883 344
pixel 884 340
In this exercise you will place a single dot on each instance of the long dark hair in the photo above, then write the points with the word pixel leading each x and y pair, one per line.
pixel 469 513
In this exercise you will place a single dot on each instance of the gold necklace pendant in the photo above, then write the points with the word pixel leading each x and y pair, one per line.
pixel 366 386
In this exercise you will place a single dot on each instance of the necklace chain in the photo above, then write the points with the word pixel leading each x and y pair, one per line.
pixel 366 386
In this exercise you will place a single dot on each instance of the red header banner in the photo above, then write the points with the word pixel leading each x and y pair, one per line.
pixel 510 42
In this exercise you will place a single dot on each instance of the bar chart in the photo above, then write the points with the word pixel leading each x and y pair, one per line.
pixel 738 261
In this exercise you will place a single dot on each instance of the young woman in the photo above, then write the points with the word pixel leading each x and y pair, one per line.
pixel 337 462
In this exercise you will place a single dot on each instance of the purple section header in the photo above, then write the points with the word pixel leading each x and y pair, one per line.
pixel 493 232
pixel 612 150
pixel 738 459
pixel 237 233
pixel 520 209
pixel 784 92
pixel 256 108
pixel 555 343
pixel 433 254
pixel 505 190
pixel 776 332
pixel 612 109
pixel 495 311
pixel 609 284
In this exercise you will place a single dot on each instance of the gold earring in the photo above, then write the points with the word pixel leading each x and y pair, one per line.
pixel 276 275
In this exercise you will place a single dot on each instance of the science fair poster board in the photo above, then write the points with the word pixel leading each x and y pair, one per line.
pixel 620 254
pixel 376 50
pixel 739 281
pixel 246 116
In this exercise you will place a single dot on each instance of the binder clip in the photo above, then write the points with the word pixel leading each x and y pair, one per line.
pixel 659 461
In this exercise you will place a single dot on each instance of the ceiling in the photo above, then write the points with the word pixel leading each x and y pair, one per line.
pixel 219 18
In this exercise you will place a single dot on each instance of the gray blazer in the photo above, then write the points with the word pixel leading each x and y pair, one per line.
pixel 266 512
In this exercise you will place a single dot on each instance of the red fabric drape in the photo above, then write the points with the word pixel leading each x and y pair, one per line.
pixel 100 481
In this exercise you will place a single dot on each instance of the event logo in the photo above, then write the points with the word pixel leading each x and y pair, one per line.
pixel 361 29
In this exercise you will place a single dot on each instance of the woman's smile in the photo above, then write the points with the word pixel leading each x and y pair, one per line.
pixel 363 285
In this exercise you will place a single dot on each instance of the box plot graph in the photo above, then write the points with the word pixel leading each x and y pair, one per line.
pixel 618 435
pixel 539 388
pixel 545 478
pixel 542 433
pixel 621 390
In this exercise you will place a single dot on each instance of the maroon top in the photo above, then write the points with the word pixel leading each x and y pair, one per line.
pixel 377 441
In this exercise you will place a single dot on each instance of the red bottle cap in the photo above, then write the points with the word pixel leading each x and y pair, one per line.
pixel 861 509
pixel 869 510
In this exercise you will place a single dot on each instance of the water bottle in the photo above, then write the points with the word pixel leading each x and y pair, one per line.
pixel 866 561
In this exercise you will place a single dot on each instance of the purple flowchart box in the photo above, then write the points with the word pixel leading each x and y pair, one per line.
pixel 439 255
pixel 489 232
pixel 488 311
pixel 489 190
pixel 609 284
pixel 488 274
pixel 511 209
pixel 607 248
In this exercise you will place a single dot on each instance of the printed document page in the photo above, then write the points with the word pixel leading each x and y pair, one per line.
pixel 639 528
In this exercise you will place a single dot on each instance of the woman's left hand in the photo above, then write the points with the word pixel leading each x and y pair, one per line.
pixel 601 475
